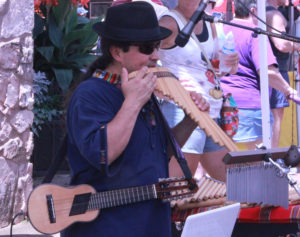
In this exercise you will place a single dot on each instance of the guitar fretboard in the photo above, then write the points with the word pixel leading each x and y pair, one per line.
pixel 121 197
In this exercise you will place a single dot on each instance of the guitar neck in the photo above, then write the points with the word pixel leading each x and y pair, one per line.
pixel 122 197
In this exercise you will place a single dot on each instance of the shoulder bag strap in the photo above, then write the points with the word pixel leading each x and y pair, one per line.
pixel 175 147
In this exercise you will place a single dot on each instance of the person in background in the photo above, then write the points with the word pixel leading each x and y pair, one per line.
pixel 281 49
pixel 245 84
pixel 189 65
pixel 158 5
pixel 171 4
pixel 116 138
pixel 81 11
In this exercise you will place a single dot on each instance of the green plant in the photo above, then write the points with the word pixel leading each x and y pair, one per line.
pixel 44 109
pixel 63 46
pixel 63 42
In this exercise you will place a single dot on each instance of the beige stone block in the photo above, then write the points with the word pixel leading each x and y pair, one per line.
pixel 5 130
pixel 3 87
pixel 11 148
pixel 29 143
pixel 26 99
pixel 4 110
pixel 24 187
pixel 27 50
pixel 9 179
pixel 12 95
pixel 22 120
pixel 25 72
pixel 18 20
pixel 12 55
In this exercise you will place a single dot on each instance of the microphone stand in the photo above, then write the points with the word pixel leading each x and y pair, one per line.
pixel 256 30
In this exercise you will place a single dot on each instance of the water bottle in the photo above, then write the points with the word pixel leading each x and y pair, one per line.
pixel 227 49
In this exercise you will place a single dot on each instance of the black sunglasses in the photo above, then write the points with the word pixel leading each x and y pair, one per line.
pixel 147 47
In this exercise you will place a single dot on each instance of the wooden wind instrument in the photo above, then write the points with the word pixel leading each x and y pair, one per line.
pixel 168 85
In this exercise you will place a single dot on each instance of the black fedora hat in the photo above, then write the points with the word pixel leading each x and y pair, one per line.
pixel 134 21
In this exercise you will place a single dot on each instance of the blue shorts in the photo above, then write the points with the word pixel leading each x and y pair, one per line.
pixel 198 142
pixel 250 125
pixel 278 99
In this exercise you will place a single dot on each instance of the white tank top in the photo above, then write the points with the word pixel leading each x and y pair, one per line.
pixel 187 64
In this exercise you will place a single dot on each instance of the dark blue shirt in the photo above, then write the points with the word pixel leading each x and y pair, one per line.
pixel 94 104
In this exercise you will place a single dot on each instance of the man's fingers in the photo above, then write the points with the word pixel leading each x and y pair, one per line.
pixel 141 73
pixel 124 76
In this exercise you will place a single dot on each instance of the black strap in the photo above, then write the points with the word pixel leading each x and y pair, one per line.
pixel 176 148
pixel 56 162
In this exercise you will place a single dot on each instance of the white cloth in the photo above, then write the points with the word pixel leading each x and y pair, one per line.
pixel 187 64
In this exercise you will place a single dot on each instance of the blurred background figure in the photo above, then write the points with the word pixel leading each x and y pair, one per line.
pixel 81 11
pixel 281 49
pixel 171 4
pixel 245 84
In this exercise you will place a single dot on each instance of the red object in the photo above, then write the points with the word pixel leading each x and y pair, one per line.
pixel 117 2
pixel 252 215
pixel 56 2
pixel 215 63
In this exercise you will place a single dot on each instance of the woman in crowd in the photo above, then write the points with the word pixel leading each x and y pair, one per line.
pixel 189 65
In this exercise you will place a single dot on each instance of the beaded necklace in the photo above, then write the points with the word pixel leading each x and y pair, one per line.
pixel 115 79
pixel 111 78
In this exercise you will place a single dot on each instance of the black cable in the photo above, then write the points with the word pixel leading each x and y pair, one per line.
pixel 258 18
pixel 13 220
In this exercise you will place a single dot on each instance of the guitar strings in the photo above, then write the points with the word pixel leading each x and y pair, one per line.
pixel 107 202
pixel 60 206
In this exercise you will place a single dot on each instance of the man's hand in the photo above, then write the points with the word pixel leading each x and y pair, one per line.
pixel 138 90
pixel 201 103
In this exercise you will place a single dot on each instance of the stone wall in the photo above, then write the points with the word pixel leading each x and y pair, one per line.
pixel 16 103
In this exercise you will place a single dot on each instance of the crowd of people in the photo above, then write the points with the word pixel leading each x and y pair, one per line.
pixel 116 135
pixel 245 84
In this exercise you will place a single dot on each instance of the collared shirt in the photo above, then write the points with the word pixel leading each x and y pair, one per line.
pixel 94 104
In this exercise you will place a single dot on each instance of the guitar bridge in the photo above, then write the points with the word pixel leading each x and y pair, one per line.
pixel 50 206
pixel 80 204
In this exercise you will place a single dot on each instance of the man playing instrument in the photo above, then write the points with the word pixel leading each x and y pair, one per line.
pixel 116 138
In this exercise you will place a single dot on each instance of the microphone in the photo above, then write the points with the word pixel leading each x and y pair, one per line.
pixel 184 35
pixel 211 19
pixel 292 158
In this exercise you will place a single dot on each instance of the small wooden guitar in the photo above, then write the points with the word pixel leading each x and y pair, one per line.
pixel 52 208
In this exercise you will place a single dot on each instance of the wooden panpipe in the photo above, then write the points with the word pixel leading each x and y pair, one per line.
pixel 211 192
pixel 169 86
